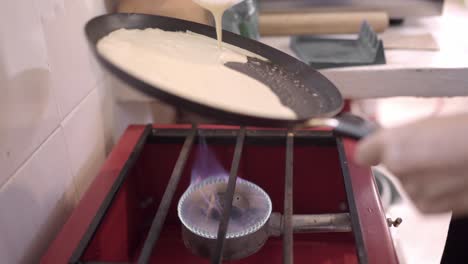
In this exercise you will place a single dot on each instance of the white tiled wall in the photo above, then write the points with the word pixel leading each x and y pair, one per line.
pixel 55 120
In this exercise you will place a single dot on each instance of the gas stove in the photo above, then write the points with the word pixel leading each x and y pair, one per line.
pixel 312 203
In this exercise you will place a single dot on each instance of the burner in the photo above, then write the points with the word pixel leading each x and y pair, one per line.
pixel 251 221
pixel 200 208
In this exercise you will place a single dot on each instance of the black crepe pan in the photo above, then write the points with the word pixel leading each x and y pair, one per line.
pixel 315 100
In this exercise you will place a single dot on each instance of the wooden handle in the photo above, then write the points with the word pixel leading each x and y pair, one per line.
pixel 320 23
pixel 183 9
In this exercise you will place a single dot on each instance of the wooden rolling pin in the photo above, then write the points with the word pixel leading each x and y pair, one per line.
pixel 346 22
pixel 183 9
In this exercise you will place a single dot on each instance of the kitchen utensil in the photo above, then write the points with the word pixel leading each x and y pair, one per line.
pixel 323 53
pixel 183 9
pixel 129 198
pixel 320 22
pixel 242 19
pixel 307 92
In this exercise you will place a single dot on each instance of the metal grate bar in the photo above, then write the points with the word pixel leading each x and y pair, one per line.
pixel 106 204
pixel 158 221
pixel 223 225
pixel 288 202
pixel 251 133
pixel 102 262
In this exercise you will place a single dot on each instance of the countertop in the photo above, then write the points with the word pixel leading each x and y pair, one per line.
pixel 410 72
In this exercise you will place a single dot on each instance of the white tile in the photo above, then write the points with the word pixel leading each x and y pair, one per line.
pixel 131 113
pixel 74 74
pixel 28 109
pixel 48 9
pixel 84 134
pixel 94 8
pixel 22 45
pixel 106 100
pixel 31 203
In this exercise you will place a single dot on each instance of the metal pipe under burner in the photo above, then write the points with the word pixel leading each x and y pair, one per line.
pixel 321 223
pixel 244 246
pixel 314 223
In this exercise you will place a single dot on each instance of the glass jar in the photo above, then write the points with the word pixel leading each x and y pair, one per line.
pixel 242 19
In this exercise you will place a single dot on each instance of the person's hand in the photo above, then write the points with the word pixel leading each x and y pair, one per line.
pixel 430 157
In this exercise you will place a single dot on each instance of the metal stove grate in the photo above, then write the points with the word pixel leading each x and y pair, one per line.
pixel 240 134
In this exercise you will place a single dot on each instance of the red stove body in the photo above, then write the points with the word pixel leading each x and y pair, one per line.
pixel 111 222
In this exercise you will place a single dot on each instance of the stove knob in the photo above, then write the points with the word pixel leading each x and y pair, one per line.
pixel 394 223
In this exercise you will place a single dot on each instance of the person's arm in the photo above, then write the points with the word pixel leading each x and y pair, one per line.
pixel 430 157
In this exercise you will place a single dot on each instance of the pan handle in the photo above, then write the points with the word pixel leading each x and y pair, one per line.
pixel 353 126
pixel 346 125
